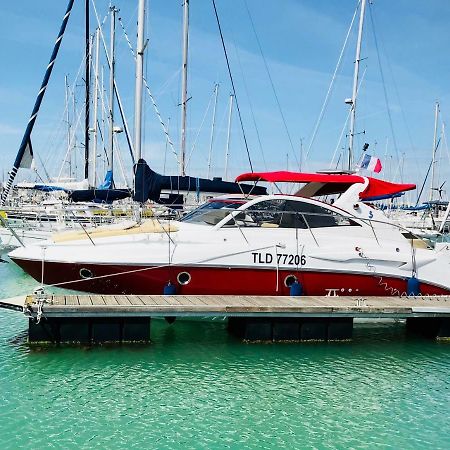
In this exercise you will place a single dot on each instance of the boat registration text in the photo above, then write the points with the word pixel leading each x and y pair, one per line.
pixel 280 259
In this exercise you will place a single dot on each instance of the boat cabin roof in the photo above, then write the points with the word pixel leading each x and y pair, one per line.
pixel 317 184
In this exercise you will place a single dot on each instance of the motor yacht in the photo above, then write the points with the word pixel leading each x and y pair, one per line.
pixel 326 237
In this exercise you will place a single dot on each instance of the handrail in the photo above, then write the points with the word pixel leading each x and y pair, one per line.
pixel 5 224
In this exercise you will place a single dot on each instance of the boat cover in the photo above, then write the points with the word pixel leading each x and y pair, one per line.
pixel 149 184
pixel 99 195
pixel 332 183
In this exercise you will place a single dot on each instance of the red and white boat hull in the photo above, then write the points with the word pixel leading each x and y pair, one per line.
pixel 117 279
pixel 342 255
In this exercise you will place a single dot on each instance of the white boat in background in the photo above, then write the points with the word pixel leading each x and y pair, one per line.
pixel 22 236
pixel 242 245
pixel 428 220
pixel 26 222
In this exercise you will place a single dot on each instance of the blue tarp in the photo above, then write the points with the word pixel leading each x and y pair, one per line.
pixel 108 182
pixel 383 197
pixel 47 188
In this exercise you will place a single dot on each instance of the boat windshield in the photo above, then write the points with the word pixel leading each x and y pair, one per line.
pixel 212 212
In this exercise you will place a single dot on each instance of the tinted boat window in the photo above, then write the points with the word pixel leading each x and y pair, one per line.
pixel 302 214
pixel 211 213
pixel 290 214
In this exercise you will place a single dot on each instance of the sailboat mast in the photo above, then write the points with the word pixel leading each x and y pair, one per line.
pixel 433 156
pixel 227 149
pixel 110 153
pixel 139 80
pixel 355 86
pixel 96 94
pixel 87 82
pixel 184 86
pixel 26 142
pixel 103 109
pixel 69 153
pixel 213 125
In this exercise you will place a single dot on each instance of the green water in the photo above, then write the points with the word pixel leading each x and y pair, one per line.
pixel 196 387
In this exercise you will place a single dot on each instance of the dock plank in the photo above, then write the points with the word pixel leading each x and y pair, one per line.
pixel 160 299
pixel 97 300
pixel 206 300
pixel 84 300
pixel 192 300
pixel 110 300
pixel 174 300
pixel 135 300
pixel 71 300
pixel 58 299
pixel 212 301
pixel 123 300
pixel 148 300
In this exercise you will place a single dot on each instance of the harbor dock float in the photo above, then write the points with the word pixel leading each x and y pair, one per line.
pixel 127 318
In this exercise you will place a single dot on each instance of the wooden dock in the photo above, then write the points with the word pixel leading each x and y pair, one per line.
pixel 126 318
pixel 226 306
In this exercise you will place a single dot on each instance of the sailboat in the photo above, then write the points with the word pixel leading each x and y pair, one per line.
pixel 431 218
pixel 24 224
pixel 177 191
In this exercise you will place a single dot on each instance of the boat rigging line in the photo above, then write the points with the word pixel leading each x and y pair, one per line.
pixel 81 225
pixel 162 266
pixel 116 90
pixel 71 145
pixel 26 140
pixel 10 228
pixel 213 125
pixel 250 105
pixel 272 84
pixel 330 90
pixel 391 126
pixel 200 128
pixel 399 101
pixel 152 98
pixel 232 85
pixel 345 125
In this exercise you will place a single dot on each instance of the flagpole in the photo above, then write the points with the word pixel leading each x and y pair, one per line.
pixel 26 142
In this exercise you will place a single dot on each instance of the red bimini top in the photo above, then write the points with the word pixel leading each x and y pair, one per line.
pixel 328 184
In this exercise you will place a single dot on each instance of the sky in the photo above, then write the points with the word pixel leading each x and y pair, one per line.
pixel 281 83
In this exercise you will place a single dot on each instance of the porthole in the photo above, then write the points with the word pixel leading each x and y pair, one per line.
pixel 86 273
pixel 184 278
pixel 289 280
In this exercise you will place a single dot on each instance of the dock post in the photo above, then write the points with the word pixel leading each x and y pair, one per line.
pixel 46 331
pixel 106 330
pixel 313 329
pixel 73 330
pixel 340 329
pixel 136 329
pixel 286 329
pixel 251 328
pixel 89 330
pixel 431 327
pixel 258 329
pixel 279 329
